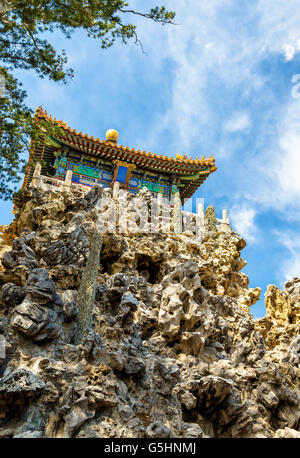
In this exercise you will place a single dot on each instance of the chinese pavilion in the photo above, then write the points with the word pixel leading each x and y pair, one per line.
pixel 104 162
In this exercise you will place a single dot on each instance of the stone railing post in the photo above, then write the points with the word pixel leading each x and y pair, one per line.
pixel 156 213
pixel 188 222
pixel 200 218
pixel 68 180
pixel 165 223
pixel 116 189
pixel 200 212
pixel 223 225
pixel 36 176
pixel 123 212
pixel 225 219
pixel 177 217
pixel 159 210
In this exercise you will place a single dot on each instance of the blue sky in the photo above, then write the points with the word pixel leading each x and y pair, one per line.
pixel 219 82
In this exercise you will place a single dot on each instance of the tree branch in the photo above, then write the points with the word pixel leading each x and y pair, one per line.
pixel 33 39
pixel 148 16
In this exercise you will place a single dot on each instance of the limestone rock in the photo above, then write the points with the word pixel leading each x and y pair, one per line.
pixel 288 433
pixel 169 348
pixel 11 294
pixel 210 219
pixel 20 383
pixel 278 305
pixel 40 314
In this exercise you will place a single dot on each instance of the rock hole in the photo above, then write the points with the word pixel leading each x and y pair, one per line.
pixel 185 299
pixel 147 268
pixel 189 416
pixel 198 296
pixel 107 263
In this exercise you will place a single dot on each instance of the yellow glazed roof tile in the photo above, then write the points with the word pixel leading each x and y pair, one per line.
pixel 40 113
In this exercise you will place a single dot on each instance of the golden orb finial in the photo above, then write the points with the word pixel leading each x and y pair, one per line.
pixel 112 135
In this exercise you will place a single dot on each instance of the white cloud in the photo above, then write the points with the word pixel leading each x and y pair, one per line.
pixel 242 220
pixel 213 43
pixel 291 265
pixel 290 50
pixel 278 183
pixel 279 26
pixel 238 122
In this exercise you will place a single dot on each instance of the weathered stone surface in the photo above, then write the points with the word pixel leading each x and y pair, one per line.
pixel 278 304
pixel 157 429
pixel 11 294
pixel 134 366
pixel 288 433
pixel 281 323
pixel 40 287
pixel 168 347
pixel 40 314
pixel 210 219
pixel 21 253
pixel 29 433
pixel 21 383
pixel 57 253
pixel 80 413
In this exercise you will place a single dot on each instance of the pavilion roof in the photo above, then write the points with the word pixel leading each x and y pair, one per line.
pixel 106 149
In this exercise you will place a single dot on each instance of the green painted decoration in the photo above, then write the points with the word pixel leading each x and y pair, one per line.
pixel 88 171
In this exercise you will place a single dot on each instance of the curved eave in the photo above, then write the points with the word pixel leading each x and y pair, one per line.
pixel 107 150
pixel 191 187
pixel 102 148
